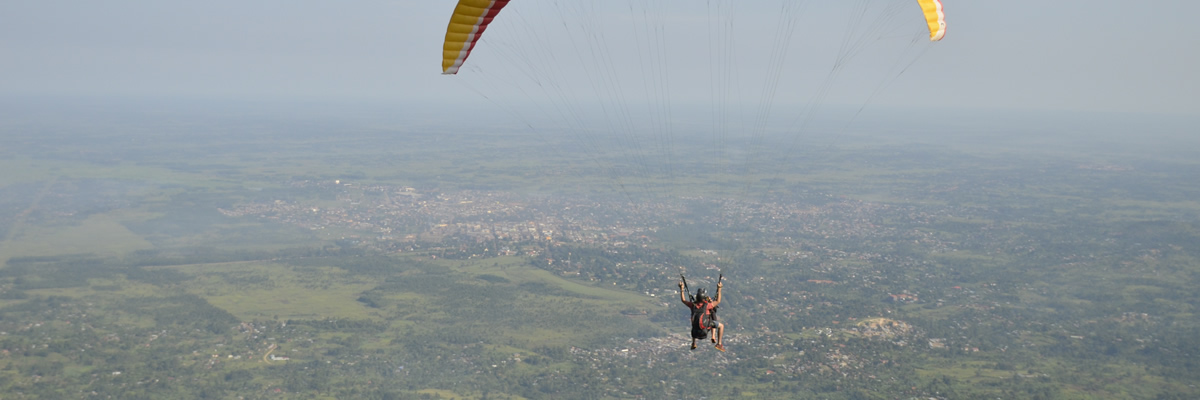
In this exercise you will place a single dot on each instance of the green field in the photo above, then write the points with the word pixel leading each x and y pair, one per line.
pixel 389 262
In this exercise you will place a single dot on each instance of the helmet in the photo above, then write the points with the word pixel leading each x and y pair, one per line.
pixel 701 294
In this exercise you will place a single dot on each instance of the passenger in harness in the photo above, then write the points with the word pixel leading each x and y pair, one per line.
pixel 704 315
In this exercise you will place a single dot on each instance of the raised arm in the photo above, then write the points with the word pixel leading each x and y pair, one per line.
pixel 683 294
pixel 717 297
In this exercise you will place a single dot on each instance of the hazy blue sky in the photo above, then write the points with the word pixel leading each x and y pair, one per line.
pixel 1095 55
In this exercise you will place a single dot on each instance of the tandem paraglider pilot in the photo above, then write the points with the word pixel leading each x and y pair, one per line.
pixel 704 314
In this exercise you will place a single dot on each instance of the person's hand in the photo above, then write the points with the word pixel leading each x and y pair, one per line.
pixel 719 284
pixel 681 285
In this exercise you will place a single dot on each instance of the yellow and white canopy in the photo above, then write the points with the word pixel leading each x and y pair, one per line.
pixel 935 18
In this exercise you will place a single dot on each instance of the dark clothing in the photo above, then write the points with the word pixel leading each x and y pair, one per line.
pixel 703 318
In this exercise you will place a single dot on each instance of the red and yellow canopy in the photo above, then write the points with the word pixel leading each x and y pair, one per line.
pixel 470 19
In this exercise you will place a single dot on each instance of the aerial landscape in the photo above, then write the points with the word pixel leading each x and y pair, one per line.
pixel 233 227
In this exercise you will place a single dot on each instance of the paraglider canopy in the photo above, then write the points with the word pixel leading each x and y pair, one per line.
pixel 649 91
pixel 470 19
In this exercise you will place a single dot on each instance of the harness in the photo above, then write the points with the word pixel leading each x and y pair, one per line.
pixel 704 319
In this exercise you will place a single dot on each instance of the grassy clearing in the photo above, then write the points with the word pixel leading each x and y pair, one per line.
pixel 964 257
pixel 26 169
pixel 518 270
pixel 100 234
pixel 507 301
pixel 975 372
pixel 256 290
pixel 109 288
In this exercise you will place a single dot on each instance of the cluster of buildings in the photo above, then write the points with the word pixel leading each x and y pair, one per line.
pixel 381 215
